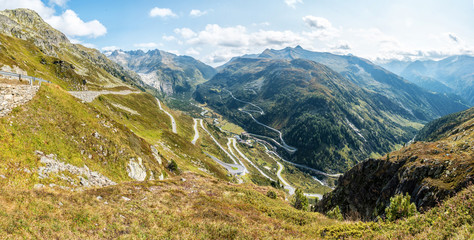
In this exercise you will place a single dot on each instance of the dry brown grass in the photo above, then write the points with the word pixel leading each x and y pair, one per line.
pixel 198 208
pixel 4 80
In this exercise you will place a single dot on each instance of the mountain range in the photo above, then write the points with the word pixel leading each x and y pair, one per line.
pixel 171 74
pixel 98 153
pixel 335 114
pixel 453 74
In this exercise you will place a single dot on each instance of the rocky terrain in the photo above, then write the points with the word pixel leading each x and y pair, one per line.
pixel 429 172
pixel 50 55
pixel 13 95
pixel 171 74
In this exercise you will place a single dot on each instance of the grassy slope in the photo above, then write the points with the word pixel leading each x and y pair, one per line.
pixel 54 122
pixel 155 126
pixel 198 208
pixel 202 208
pixel 452 219
pixel 74 64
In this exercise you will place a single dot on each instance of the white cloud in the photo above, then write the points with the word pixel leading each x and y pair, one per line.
pixel 60 3
pixel 162 12
pixel 149 45
pixel 292 3
pixel 110 48
pixel 169 38
pixel 175 52
pixel 70 24
pixel 321 28
pixel 197 13
pixel 185 32
pixel 262 24
pixel 216 35
pixel 317 22
pixel 276 38
pixel 192 52
pixel 453 37
pixel 89 45
pixel 228 42
pixel 36 5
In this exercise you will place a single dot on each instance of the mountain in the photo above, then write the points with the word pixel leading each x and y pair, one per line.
pixel 376 109
pixel 171 74
pixel 436 167
pixel 453 74
pixel 113 166
pixel 30 44
pixel 332 122
pixel 424 105
pixel 115 135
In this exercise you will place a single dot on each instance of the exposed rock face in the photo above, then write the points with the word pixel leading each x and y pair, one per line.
pixel 136 170
pixel 366 189
pixel 12 96
pixel 87 177
pixel 429 171
pixel 155 153
pixel 13 22
pixel 167 72
pixel 88 67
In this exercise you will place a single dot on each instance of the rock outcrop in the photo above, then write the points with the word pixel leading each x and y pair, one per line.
pixel 429 171
pixel 87 178
pixel 89 69
pixel 136 170
pixel 12 96
pixel 13 22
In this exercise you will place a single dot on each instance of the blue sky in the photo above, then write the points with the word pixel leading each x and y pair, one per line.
pixel 214 31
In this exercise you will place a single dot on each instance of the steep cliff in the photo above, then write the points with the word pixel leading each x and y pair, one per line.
pixel 429 171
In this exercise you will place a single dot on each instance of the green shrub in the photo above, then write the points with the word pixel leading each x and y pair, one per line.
pixel 400 207
pixel 173 166
pixel 300 201
pixel 271 194
pixel 335 213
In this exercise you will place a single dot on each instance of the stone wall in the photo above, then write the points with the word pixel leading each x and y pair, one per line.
pixel 12 96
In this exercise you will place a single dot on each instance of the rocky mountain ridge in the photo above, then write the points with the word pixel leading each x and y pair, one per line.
pixel 47 52
pixel 421 104
pixel 171 74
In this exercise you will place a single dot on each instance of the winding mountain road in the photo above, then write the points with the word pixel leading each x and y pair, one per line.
pixel 286 185
pixel 283 144
pixel 234 169
pixel 336 175
pixel 244 170
pixel 229 141
pixel 234 143
pixel 196 131
pixel 89 96
pixel 173 122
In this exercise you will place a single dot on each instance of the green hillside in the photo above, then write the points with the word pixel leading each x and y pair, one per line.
pixel 332 122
